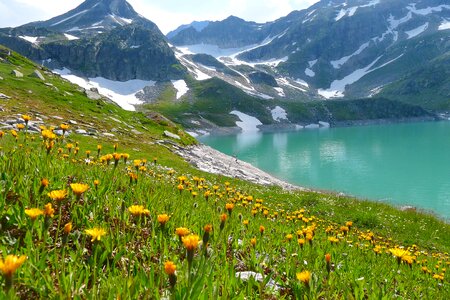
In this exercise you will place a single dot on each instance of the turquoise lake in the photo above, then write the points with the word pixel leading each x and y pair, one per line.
pixel 403 164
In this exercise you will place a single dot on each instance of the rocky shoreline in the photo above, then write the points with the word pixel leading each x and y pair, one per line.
pixel 210 160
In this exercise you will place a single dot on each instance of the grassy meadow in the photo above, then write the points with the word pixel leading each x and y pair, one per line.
pixel 87 220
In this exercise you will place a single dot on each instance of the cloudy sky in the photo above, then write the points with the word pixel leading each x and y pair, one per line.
pixel 167 14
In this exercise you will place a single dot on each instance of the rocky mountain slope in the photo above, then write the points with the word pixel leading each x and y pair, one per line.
pixel 338 48
pixel 99 38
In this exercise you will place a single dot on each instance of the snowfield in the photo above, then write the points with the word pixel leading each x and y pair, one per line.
pixel 122 93
pixel 247 123
pixel 279 114
pixel 181 87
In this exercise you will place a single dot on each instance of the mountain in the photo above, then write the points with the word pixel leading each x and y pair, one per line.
pixel 196 25
pixel 338 48
pixel 99 38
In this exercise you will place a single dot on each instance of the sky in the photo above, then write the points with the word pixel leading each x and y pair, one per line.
pixel 167 14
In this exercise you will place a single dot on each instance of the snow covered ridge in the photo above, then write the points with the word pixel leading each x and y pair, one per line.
pixel 31 39
pixel 122 93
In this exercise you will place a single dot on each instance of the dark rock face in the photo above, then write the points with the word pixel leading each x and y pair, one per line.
pixel 114 42
pixel 262 78
pixel 129 52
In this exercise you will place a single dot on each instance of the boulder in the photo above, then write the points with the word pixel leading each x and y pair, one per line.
pixel 81 131
pixel 3 96
pixel 16 74
pixel 37 74
pixel 172 135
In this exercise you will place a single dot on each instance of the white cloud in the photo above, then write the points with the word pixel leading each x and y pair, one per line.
pixel 167 14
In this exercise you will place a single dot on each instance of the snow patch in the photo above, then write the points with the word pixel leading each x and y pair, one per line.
pixel 416 31
pixel 309 72
pixel 181 87
pixel 280 91
pixel 121 92
pixel 247 123
pixel 71 37
pixel 337 87
pixel 279 114
pixel 427 10
pixel 311 63
pixel 444 25
pixel 285 82
pixel 68 18
pixel 340 62
pixel 31 39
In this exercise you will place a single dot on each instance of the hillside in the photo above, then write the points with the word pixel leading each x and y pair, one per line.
pixel 133 220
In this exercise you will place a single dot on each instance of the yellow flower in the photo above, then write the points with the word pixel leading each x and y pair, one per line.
pixel 26 118
pixel 253 242
pixel 13 133
pixel 289 237
pixel 58 195
pixel 68 228
pixel 95 233
pixel 246 222
pixel 11 264
pixel 181 231
pixel 79 188
pixel 138 210
pixel 190 242
pixel 229 207
pixel 169 267
pixel 304 277
pixel 20 126
pixel 64 127
pixel 33 213
pixel 49 211
pixel 333 239
pixel 96 182
pixel 163 219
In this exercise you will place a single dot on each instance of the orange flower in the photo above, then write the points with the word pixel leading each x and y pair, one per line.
pixel 169 267
pixel 68 228
pixel 261 229
pixel 191 242
pixel 49 211
pixel 163 219
pixel 181 231
pixel 253 242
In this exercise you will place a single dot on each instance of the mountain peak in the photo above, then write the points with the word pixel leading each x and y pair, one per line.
pixel 96 16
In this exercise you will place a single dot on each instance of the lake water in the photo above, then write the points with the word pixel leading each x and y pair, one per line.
pixel 404 164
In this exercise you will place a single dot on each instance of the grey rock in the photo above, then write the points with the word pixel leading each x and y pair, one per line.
pixel 17 73
pixel 38 74
pixel 136 132
pixel 3 96
pixel 246 275
pixel 1 78
pixel 58 118
pixel 93 95
pixel 108 134
pixel 59 132
pixel 81 131
pixel 72 122
pixel 172 135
